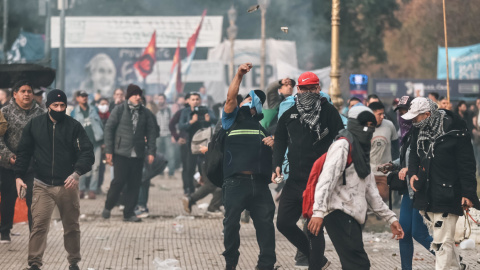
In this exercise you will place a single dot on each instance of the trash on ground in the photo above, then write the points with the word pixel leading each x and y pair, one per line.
pixel 168 264
pixel 107 248
pixel 178 227
pixel 90 268
pixel 202 208
pixel 82 216
pixel 15 234
pixel 185 217
pixel 375 250
pixel 101 238
pixel 377 239
pixel 467 244
pixel 284 29
pixel 197 176
pixel 57 225
pixel 253 8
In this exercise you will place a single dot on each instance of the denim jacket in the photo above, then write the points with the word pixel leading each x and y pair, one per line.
pixel 96 122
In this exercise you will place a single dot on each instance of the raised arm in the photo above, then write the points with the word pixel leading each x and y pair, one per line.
pixel 231 102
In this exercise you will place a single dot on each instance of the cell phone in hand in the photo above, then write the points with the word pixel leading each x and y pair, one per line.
pixel 23 193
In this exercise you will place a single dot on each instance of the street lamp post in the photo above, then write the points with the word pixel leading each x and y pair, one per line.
pixel 61 51
pixel 334 91
pixel 232 34
pixel 5 29
pixel 263 8
pixel 47 49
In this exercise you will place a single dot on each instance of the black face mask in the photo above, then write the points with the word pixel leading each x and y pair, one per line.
pixel 57 116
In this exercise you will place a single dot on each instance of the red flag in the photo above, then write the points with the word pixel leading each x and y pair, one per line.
pixel 192 41
pixel 179 69
pixel 145 63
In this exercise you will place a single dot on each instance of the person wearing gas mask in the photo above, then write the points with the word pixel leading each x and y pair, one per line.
pixel 308 129
pixel 246 171
pixel 61 153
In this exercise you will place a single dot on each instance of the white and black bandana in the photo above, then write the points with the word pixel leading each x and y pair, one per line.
pixel 309 106
pixel 430 128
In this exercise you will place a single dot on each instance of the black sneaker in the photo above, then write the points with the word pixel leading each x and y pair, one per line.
pixel 132 219
pixel 33 267
pixel 73 267
pixel 5 239
pixel 106 213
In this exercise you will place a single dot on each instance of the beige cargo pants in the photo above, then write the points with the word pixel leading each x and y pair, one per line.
pixel 44 200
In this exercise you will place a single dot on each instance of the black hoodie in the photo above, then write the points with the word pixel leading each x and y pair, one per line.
pixel 447 174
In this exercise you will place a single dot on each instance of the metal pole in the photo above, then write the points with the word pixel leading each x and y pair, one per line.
pixel 47 50
pixel 232 59
pixel 334 91
pixel 446 50
pixel 262 53
pixel 61 51
pixel 5 29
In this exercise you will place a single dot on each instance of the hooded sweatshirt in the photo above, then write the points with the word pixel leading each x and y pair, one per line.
pixel 357 195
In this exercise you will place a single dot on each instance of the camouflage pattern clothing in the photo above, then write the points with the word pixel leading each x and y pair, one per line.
pixel 16 118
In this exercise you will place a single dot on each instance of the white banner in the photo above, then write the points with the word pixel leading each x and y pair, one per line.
pixel 135 32
pixel 200 71
pixel 277 51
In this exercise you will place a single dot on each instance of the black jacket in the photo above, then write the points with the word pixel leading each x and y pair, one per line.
pixel 447 174
pixel 119 136
pixel 304 148
pixel 58 150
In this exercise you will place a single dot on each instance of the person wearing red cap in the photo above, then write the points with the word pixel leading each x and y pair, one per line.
pixel 307 130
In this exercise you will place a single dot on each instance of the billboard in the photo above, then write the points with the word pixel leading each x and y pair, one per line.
pixel 358 86
pixel 421 88
pixel 135 32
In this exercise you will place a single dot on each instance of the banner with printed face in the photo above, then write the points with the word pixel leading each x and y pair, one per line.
pixel 135 32
pixel 464 63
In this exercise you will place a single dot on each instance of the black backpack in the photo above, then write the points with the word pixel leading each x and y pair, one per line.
pixel 214 156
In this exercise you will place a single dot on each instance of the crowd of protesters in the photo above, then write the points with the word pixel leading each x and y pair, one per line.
pixel 332 169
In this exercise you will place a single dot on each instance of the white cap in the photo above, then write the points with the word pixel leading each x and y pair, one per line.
pixel 418 106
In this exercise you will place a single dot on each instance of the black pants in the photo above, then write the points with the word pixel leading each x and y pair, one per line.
pixel 127 171
pixel 253 194
pixel 346 235
pixel 193 161
pixel 9 197
pixel 203 192
pixel 184 150
pixel 289 211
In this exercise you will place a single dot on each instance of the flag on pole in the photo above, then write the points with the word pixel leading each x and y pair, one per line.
pixel 145 63
pixel 178 69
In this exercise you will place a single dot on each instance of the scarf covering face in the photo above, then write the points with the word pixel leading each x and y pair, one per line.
pixel 134 110
pixel 359 137
pixel 430 128
pixel 405 127
pixel 309 106
pixel 255 103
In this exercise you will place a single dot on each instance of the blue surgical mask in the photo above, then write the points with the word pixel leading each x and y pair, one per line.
pixel 255 103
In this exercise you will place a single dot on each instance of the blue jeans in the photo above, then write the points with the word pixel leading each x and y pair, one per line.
pixel 93 174
pixel 143 194
pixel 414 228
pixel 166 147
pixel 250 193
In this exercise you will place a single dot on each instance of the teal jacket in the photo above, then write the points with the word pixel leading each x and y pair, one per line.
pixel 95 120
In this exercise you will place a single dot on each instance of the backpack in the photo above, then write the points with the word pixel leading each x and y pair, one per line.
pixel 309 193
pixel 201 138
pixel 214 156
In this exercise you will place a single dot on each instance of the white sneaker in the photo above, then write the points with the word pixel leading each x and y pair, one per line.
pixel 121 207
pixel 215 214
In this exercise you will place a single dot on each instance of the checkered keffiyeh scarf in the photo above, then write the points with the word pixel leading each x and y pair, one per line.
pixel 430 128
pixel 134 110
pixel 309 107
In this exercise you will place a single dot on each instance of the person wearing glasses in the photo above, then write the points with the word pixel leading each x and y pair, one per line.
pixel 307 129
pixel 384 142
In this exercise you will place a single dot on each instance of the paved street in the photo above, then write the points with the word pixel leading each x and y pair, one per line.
pixel 117 245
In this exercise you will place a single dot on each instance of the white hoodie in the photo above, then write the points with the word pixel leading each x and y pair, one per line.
pixel 352 198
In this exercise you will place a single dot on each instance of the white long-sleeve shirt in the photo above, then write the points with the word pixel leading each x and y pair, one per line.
pixel 352 198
